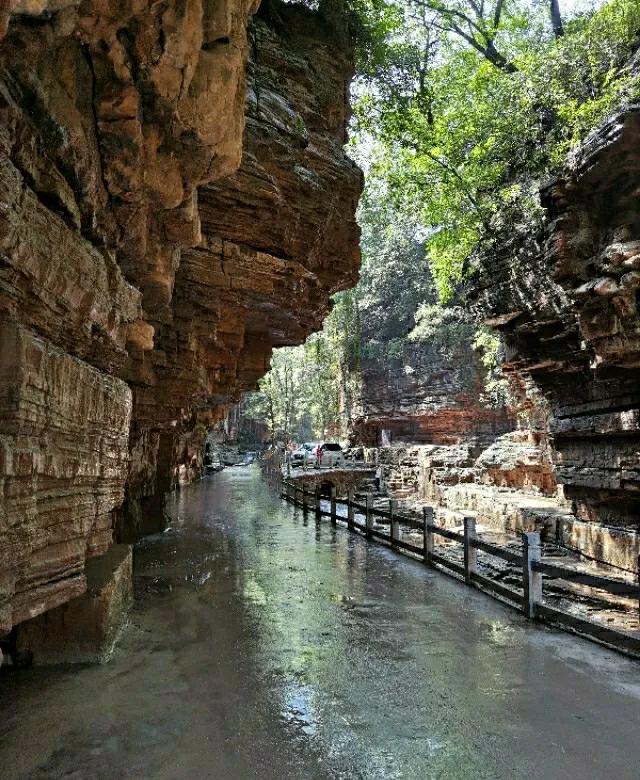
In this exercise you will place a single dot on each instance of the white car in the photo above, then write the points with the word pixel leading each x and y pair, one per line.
pixel 330 454
pixel 306 453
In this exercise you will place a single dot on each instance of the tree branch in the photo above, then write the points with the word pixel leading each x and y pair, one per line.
pixel 452 19
pixel 465 189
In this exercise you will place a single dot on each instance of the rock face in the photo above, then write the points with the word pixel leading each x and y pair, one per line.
pixel 64 445
pixel 85 629
pixel 565 296
pixel 278 238
pixel 428 396
pixel 508 486
pixel 563 289
pixel 153 251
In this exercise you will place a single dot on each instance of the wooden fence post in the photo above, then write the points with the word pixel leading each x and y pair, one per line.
pixel 350 510
pixel 427 534
pixel 531 580
pixel 394 525
pixel 470 552
pixel 318 504
pixel 333 504
pixel 368 516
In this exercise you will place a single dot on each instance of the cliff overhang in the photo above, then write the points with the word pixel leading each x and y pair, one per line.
pixel 565 295
pixel 176 203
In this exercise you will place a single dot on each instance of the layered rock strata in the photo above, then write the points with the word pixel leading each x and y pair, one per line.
pixel 509 486
pixel 152 252
pixel 278 238
pixel 430 396
pixel 84 630
pixel 565 296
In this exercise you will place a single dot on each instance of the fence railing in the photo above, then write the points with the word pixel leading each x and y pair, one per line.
pixel 529 598
pixel 314 463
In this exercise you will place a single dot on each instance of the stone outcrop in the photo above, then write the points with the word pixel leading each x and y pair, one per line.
pixel 517 461
pixel 431 395
pixel 85 629
pixel 155 246
pixel 520 460
pixel 343 480
pixel 565 295
pixel 509 486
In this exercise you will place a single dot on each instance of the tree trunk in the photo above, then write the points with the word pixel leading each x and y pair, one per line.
pixel 556 18
pixel 497 59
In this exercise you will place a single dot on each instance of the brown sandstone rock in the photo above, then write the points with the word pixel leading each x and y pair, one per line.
pixel 428 399
pixel 135 302
pixel 85 629
pixel 64 433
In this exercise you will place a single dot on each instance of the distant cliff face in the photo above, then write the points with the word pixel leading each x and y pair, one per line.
pixel 565 294
pixel 422 381
pixel 428 397
pixel 153 250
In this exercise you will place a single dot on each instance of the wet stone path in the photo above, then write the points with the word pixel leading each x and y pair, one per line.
pixel 265 646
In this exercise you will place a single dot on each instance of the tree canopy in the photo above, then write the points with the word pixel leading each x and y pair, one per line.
pixel 461 104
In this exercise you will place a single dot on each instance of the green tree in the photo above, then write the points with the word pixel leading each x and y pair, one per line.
pixel 468 102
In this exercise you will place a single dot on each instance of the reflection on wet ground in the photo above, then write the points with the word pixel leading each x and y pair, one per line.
pixel 265 646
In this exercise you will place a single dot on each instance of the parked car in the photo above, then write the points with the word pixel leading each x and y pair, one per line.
pixel 330 454
pixel 305 452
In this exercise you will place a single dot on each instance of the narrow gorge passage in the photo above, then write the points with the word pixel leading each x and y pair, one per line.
pixel 264 645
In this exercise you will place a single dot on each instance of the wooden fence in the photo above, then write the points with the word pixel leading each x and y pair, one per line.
pixel 529 598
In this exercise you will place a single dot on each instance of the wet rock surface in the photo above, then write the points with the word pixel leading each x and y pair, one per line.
pixel 85 629
pixel 264 646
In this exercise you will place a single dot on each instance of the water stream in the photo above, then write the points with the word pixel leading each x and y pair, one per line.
pixel 264 645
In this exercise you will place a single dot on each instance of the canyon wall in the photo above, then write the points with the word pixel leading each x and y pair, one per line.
pixel 428 396
pixel 565 294
pixel 168 216
pixel 561 284
pixel 421 379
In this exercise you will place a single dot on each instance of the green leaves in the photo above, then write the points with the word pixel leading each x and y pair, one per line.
pixel 456 134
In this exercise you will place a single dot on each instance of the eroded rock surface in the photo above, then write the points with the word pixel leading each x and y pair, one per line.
pixel 278 238
pixel 565 297
pixel 432 394
pixel 152 251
